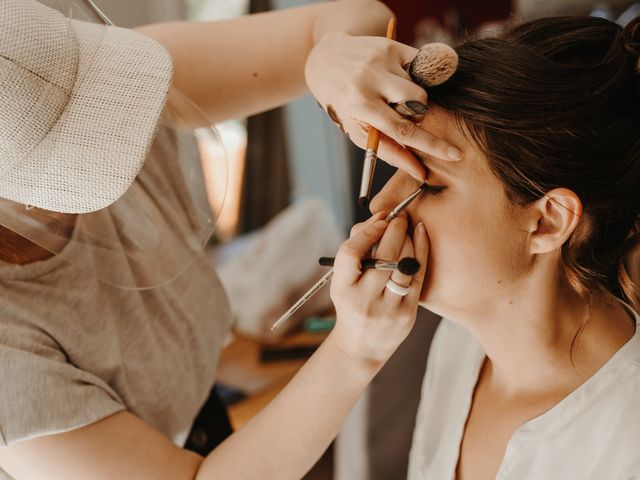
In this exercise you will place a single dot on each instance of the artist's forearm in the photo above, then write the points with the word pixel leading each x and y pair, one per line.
pixel 240 67
pixel 290 434
pixel 355 17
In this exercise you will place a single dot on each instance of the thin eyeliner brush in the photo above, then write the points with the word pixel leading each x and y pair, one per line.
pixel 327 276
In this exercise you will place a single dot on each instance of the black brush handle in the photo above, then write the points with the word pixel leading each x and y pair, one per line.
pixel 328 262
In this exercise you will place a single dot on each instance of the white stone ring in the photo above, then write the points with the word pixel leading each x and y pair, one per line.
pixel 397 289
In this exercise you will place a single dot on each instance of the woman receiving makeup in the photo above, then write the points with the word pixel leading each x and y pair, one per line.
pixel 535 371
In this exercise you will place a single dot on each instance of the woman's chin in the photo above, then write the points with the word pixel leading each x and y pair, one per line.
pixel 438 297
pixel 433 308
pixel 429 301
pixel 439 302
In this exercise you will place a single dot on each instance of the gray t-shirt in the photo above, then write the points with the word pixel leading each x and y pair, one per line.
pixel 74 350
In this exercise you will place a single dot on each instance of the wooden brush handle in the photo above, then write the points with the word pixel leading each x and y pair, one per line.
pixel 373 139
pixel 391 28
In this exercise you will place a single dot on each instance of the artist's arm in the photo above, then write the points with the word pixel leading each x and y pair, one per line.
pixel 236 68
pixel 286 438
pixel 282 442
pixel 239 67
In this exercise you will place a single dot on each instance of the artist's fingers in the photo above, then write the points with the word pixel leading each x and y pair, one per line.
pixel 404 131
pixel 406 251
pixel 347 264
pixel 421 248
pixel 400 157
pixel 373 218
pixel 388 248
pixel 401 280
pixel 397 88
pixel 359 226
pixel 392 55
pixel 404 54
pixel 391 242
pixel 404 96
pixel 391 152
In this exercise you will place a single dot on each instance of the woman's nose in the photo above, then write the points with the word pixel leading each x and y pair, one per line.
pixel 393 192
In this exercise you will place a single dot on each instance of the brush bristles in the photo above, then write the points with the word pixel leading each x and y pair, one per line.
pixel 408 266
pixel 434 64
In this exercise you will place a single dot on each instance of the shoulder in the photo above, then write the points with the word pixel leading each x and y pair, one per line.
pixel 453 361
pixel 604 438
pixel 621 404
pixel 42 391
pixel 452 345
pixel 602 425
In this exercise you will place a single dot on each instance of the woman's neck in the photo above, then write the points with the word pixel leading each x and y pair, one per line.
pixel 531 341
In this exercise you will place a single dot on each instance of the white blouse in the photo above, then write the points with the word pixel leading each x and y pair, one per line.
pixel 593 433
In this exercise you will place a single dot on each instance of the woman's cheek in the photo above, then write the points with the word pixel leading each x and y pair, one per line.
pixel 463 256
pixel 443 237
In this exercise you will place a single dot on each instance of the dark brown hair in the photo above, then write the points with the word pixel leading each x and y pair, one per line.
pixel 556 103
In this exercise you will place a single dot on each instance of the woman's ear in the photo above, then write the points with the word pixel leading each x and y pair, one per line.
pixel 554 218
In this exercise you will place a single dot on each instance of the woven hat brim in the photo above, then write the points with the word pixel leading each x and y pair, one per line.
pixel 96 148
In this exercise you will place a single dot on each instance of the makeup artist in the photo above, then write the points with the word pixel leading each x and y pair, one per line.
pixel 111 319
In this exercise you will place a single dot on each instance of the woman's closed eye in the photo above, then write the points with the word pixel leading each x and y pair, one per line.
pixel 434 189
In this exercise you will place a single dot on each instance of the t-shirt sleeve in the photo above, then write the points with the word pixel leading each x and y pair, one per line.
pixel 41 391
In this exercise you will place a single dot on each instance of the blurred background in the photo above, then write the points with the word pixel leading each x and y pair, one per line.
pixel 291 197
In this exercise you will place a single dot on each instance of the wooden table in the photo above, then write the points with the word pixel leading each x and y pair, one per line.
pixel 240 367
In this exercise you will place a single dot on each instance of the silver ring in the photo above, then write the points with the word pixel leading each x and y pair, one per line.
pixel 397 289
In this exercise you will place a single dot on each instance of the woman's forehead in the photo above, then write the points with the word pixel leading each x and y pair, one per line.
pixel 442 124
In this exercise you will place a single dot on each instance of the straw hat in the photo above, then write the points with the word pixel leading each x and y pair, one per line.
pixel 79 104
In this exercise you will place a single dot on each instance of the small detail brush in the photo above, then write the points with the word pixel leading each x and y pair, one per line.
pixel 406 266
pixel 401 207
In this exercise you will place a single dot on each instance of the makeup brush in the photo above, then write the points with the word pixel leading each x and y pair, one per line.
pixel 406 266
pixel 434 64
pixel 373 140
pixel 401 207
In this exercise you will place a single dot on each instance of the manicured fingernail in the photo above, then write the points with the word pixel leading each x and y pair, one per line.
pixel 453 153
pixel 419 178
pixel 416 107
pixel 421 228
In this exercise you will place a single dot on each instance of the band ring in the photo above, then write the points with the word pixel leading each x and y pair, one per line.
pixel 397 289
pixel 410 108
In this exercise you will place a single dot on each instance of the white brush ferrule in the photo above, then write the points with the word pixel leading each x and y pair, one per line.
pixel 370 158
pixel 385 265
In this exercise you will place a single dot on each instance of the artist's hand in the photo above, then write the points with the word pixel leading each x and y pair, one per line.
pixel 372 321
pixel 355 79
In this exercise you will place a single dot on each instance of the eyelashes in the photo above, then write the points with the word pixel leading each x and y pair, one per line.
pixel 434 189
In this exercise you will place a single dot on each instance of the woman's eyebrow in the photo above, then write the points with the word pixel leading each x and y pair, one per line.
pixel 434 163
